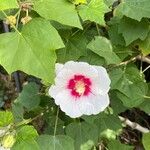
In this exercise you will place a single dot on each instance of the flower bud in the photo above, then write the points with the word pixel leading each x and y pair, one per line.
pixel 11 20
pixel 8 141
pixel 25 20
pixel 4 130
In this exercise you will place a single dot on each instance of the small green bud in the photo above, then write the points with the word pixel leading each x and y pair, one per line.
pixel 80 2
pixel 77 2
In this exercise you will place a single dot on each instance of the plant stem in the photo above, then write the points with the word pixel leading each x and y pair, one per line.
pixel 18 16
pixel 148 97
pixel 24 122
pixel 98 29
pixel 141 64
pixel 146 69
pixel 56 121
pixel 134 125
pixel 126 62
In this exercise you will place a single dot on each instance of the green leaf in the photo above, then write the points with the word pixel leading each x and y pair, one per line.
pixel 116 104
pixel 93 59
pixel 109 126
pixel 145 106
pixel 29 97
pixel 135 9
pixel 60 10
pixel 75 47
pixel 26 133
pixel 88 145
pixel 59 142
pixel 8 12
pixel 105 122
pixel 109 2
pixel 50 121
pixel 115 37
pixel 130 85
pixel 82 133
pixel 102 46
pixel 133 30
pixel 90 119
pixel 25 139
pixel 146 141
pixel 115 144
pixel 17 110
pixel 32 51
pixel 90 33
pixel 8 4
pixel 26 145
pixel 6 118
pixel 123 52
pixel 144 46
pixel 94 11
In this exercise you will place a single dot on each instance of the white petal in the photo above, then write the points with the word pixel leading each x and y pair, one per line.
pixel 58 67
pixel 68 104
pixel 63 78
pixel 100 103
pixel 103 82
pixel 86 107
pixel 54 90
pixel 93 104
pixel 81 68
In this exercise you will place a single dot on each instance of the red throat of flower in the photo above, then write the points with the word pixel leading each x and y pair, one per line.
pixel 79 85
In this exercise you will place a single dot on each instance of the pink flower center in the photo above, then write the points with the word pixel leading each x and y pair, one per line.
pixel 79 85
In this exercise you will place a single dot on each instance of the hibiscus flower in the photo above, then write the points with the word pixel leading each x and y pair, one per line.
pixel 80 88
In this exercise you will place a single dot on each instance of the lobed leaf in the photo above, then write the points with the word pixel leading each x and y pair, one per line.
pixel 6 118
pixel 59 142
pixel 32 50
pixel 102 47
pixel 130 86
pixel 94 11
pixel 61 10
pixel 82 133
pixel 133 30
pixel 135 9
pixel 29 97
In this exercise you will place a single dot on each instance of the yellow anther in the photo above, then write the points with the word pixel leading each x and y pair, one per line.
pixel 80 87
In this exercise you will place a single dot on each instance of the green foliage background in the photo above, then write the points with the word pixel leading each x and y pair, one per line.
pixel 101 32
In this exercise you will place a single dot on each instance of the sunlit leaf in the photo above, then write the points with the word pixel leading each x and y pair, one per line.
pixel 8 4
pixel 94 11
pixel 61 10
pixel 31 51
